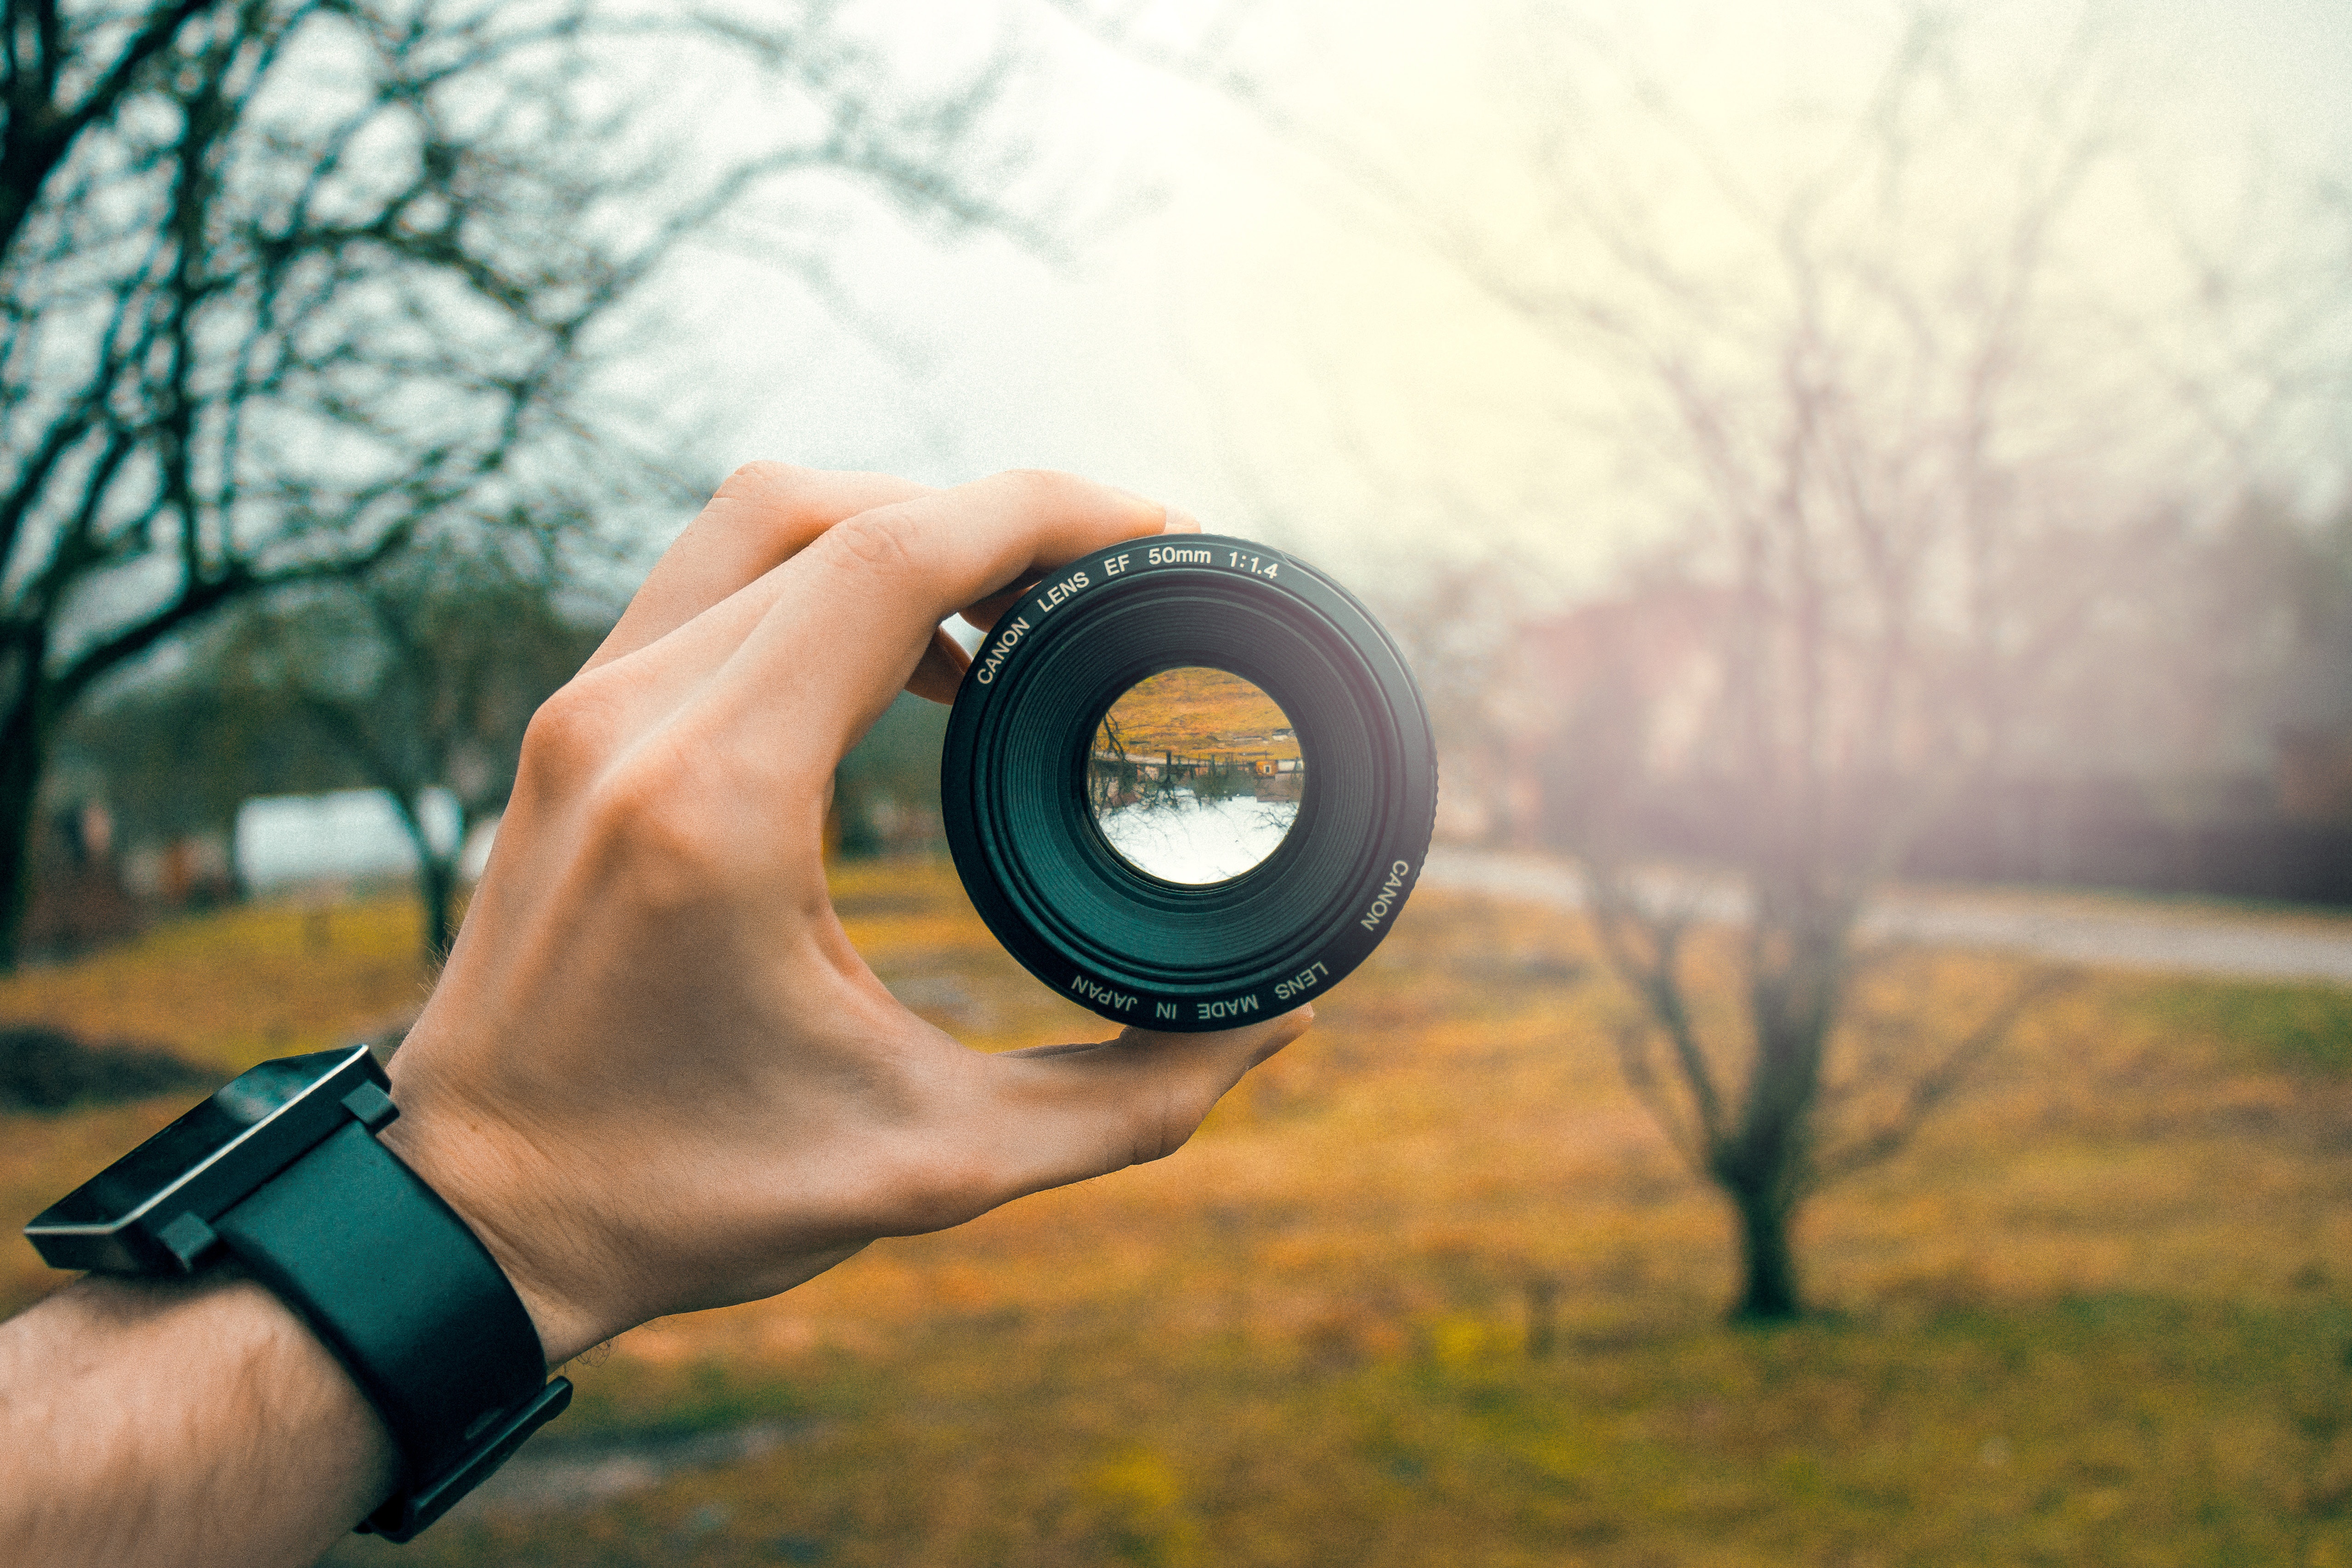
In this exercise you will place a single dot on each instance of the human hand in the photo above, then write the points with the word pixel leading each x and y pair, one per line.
pixel 654 1076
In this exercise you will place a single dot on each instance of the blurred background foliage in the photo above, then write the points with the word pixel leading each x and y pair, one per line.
pixel 1817 459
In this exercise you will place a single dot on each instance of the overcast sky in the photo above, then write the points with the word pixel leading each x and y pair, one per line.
pixel 1255 339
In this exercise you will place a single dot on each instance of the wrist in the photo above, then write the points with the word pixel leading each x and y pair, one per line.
pixel 280 1181
pixel 499 1190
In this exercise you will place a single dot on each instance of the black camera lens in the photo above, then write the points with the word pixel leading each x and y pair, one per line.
pixel 1189 782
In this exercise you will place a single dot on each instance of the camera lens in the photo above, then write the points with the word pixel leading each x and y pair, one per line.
pixel 1188 782
pixel 1195 776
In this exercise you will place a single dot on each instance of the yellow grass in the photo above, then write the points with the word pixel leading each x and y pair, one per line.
pixel 2099 1312
pixel 226 992
pixel 240 987
pixel 1201 712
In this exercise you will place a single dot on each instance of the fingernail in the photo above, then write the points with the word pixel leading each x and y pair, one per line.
pixel 1173 520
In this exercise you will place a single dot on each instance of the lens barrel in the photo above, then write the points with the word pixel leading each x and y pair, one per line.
pixel 1160 954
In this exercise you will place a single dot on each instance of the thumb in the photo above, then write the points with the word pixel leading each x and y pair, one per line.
pixel 1069 1113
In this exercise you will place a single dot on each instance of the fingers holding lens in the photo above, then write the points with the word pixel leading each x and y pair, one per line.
pixel 764 515
pixel 986 612
pixel 852 619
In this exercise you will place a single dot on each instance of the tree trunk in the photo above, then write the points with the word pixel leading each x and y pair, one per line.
pixel 1768 1289
pixel 436 887
pixel 437 874
pixel 20 783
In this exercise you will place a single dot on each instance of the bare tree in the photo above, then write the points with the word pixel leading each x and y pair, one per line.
pixel 1899 415
pixel 288 286
pixel 1877 453
pixel 1908 400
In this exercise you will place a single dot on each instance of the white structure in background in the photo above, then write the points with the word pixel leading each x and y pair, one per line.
pixel 289 839
pixel 476 857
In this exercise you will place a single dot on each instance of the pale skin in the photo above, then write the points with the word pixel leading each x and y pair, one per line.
pixel 654 1076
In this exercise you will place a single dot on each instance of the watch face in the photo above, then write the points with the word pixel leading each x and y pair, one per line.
pixel 202 1164
pixel 116 1192
pixel 235 1109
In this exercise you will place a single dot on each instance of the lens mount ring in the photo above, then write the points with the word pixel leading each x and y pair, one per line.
pixel 1133 948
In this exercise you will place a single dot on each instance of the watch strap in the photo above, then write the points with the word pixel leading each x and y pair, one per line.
pixel 406 1296
pixel 412 1508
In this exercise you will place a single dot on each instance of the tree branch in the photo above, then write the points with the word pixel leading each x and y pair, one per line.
pixel 40 133
pixel 1934 1087
pixel 1658 982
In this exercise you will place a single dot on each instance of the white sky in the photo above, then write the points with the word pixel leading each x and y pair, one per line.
pixel 1264 348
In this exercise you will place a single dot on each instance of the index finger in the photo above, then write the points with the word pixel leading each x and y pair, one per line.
pixel 854 610
pixel 983 615
pixel 763 514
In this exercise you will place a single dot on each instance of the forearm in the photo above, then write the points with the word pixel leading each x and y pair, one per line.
pixel 179 1422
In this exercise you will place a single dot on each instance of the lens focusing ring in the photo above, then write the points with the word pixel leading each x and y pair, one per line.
pixel 1132 947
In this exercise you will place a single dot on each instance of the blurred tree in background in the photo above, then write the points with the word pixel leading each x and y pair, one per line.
pixel 289 288
pixel 417 680
pixel 422 676
pixel 1904 428
pixel 1858 405
pixel 1929 466
pixel 1907 423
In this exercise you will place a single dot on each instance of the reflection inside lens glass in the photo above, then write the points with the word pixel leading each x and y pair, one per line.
pixel 1195 776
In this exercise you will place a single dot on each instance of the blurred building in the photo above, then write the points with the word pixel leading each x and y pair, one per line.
pixel 1611 722
pixel 340 837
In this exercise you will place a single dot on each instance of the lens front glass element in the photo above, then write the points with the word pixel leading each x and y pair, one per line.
pixel 1194 776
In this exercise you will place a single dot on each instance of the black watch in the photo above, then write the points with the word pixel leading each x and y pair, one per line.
pixel 280 1169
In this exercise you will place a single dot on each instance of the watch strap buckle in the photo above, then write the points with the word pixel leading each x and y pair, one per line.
pixel 411 1510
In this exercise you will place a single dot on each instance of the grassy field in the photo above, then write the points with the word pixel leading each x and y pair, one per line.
pixel 1199 712
pixel 1430 1289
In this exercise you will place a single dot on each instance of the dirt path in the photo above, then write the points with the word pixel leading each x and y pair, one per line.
pixel 2181 935
pixel 554 1473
